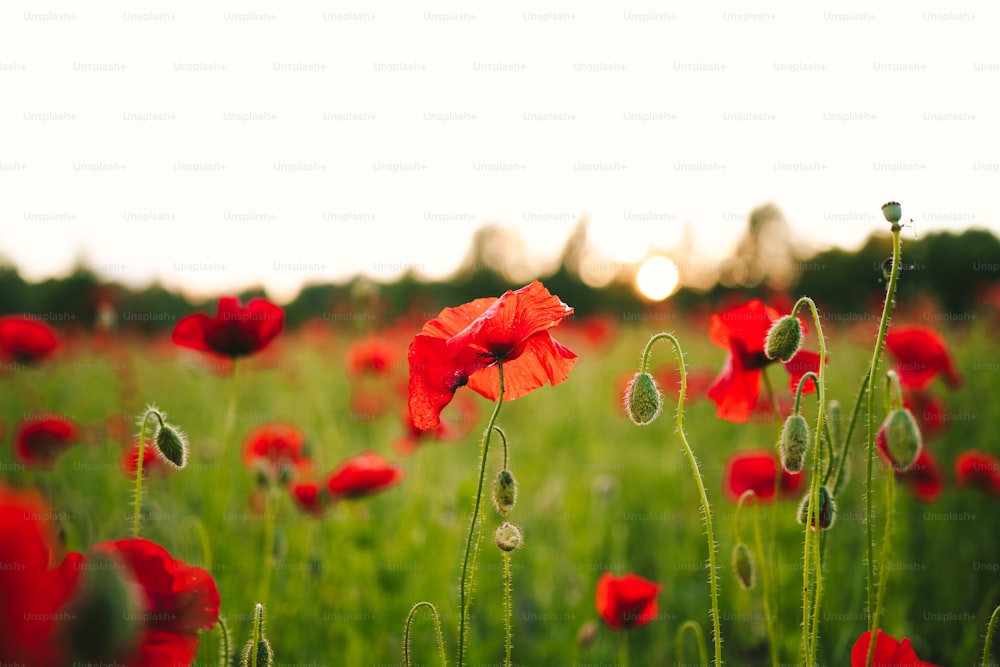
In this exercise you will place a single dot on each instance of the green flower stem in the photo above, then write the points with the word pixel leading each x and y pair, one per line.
pixel 893 391
pixel 850 427
pixel 812 510
pixel 764 576
pixel 137 499
pixel 989 636
pixel 890 497
pixel 271 500
pixel 883 328
pixel 696 473
pixel 258 631
pixel 508 608
pixel 465 593
pixel 622 649
pixel 699 638
pixel 503 438
pixel 437 627
pixel 224 650
pixel 801 387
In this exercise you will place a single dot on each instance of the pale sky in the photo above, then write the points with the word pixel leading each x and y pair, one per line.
pixel 218 146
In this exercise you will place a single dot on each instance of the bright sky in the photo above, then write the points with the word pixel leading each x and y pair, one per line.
pixel 213 147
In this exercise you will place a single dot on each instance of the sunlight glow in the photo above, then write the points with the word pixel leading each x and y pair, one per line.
pixel 657 278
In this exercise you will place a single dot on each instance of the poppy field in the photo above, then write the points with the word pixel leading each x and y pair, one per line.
pixel 503 482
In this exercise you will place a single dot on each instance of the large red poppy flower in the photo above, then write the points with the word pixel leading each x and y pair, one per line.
pixel 371 355
pixel 888 652
pixel 627 601
pixel 921 354
pixel 276 450
pixel 178 600
pixel 463 345
pixel 924 478
pixel 26 340
pixel 742 331
pixel 755 471
pixel 363 475
pixel 39 442
pixel 978 469
pixel 31 592
pixel 235 331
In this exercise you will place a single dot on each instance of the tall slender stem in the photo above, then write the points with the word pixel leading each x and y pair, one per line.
pixel 869 535
pixel 890 489
pixel 437 627
pixel 764 576
pixel 696 473
pixel 622 649
pixel 508 608
pixel 699 638
pixel 465 594
pixel 137 499
pixel 267 556
pixel 989 636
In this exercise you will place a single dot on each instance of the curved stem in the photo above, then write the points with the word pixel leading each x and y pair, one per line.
pixel 812 509
pixel 508 608
pixel 801 387
pixel 696 473
pixel 465 596
pixel 989 636
pixel 137 500
pixel 437 627
pixel 503 438
pixel 699 638
pixel 223 643
pixel 893 391
pixel 876 354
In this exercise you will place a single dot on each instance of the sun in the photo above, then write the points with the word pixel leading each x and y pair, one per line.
pixel 657 278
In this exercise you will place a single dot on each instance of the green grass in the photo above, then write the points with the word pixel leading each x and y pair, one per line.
pixel 596 494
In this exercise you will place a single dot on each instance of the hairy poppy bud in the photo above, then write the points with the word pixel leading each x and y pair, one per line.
pixel 172 446
pixel 104 614
pixel 899 439
pixel 743 565
pixel 892 211
pixel 794 443
pixel 824 514
pixel 265 655
pixel 643 401
pixel 784 339
pixel 504 492
pixel 507 536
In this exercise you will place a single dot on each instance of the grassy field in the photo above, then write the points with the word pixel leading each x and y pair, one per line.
pixel 596 494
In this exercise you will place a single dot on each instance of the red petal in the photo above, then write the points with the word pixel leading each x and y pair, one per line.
pixel 626 602
pixel 978 469
pixel 921 354
pixel 755 471
pixel 803 362
pixel 363 475
pixel 190 332
pixel 748 323
pixel 542 360
pixel 735 390
pixel 25 339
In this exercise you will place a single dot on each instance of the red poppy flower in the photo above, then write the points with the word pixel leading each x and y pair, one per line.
pixel 742 331
pixel 756 471
pixel 39 442
pixel 32 592
pixel 888 652
pixel 363 475
pixel 920 354
pixel 626 602
pixel 178 600
pixel 978 469
pixel 925 478
pixel 277 450
pixel 309 497
pixel 463 345
pixel 235 331
pixel 150 461
pixel 371 355
pixel 26 340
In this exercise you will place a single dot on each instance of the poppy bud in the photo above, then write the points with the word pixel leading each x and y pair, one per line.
pixel 826 512
pixel 504 492
pixel 642 399
pixel 743 565
pixel 892 211
pixel 899 439
pixel 105 613
pixel 265 655
pixel 172 446
pixel 794 443
pixel 784 339
pixel 507 536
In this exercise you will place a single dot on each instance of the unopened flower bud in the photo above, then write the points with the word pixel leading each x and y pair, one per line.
pixel 643 401
pixel 899 439
pixel 892 211
pixel 794 443
pixel 504 492
pixel 507 536
pixel 784 339
pixel 824 514
pixel 743 565
pixel 172 446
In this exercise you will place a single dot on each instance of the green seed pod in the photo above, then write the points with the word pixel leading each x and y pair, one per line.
pixel 794 443
pixel 826 512
pixel 172 446
pixel 507 537
pixel 743 566
pixel 784 339
pixel 504 492
pixel 899 439
pixel 643 401
pixel 892 211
